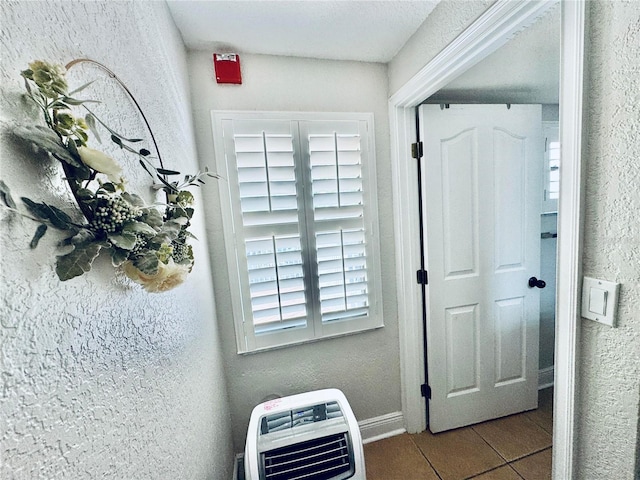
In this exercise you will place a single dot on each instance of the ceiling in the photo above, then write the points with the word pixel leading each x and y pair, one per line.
pixel 361 30
pixel 525 70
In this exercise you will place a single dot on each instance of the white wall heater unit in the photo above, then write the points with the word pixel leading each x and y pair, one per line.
pixel 311 436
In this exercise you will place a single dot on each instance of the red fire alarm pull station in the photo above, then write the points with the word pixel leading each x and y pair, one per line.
pixel 227 67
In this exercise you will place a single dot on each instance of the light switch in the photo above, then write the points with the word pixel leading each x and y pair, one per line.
pixel 600 300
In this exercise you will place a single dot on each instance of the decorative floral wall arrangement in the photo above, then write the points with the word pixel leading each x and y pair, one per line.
pixel 148 242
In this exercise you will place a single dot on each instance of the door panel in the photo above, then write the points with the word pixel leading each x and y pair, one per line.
pixel 482 202
pixel 462 349
pixel 459 204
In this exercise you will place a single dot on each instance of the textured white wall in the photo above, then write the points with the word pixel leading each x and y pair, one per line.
pixel 448 20
pixel 100 379
pixel 609 380
pixel 365 366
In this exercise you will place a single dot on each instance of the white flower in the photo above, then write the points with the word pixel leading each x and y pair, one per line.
pixel 169 276
pixel 101 163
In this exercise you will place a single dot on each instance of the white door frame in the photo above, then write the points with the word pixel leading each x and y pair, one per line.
pixel 489 32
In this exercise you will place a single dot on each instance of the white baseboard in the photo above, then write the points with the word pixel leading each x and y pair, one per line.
pixel 545 377
pixel 239 456
pixel 384 426
pixel 391 424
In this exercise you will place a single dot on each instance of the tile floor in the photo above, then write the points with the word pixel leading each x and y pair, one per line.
pixel 510 448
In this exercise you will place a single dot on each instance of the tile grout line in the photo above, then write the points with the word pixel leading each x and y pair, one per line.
pixel 529 455
pixel 506 462
pixel 496 468
pixel 424 456
pixel 523 456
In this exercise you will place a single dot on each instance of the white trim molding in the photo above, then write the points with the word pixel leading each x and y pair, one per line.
pixel 489 32
pixel 545 377
pixel 384 426
pixel 570 221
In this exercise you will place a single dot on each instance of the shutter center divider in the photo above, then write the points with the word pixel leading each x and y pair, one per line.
pixel 266 169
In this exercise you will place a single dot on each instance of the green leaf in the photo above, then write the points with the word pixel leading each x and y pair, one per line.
pixel 147 263
pixel 81 237
pixel 77 262
pixel 171 228
pixel 73 148
pixel 84 194
pixel 113 132
pixel 82 136
pixel 133 199
pixel 40 231
pixel 138 227
pixel 80 173
pixel 108 187
pixel 164 171
pixel 57 217
pixel 115 139
pixel 152 217
pixel 47 140
pixel 80 88
pixel 180 220
pixel 118 256
pixel 91 123
pixel 146 168
pixel 126 241
pixel 171 188
pixel 75 101
pixel 5 193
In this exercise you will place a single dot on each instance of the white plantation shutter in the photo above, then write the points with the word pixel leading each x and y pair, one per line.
pixel 276 282
pixel 300 225
pixel 342 274
pixel 551 166
pixel 335 159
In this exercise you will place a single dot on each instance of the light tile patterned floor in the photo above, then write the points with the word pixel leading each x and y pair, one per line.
pixel 512 448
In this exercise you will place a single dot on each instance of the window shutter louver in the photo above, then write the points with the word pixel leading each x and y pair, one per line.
pixel 338 209
pixel 551 167
pixel 266 178
pixel 301 222
pixel 268 196
pixel 554 170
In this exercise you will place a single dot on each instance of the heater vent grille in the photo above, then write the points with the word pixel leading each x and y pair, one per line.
pixel 301 416
pixel 326 458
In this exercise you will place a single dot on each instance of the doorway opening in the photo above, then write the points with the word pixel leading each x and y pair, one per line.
pixel 482 192
pixel 487 34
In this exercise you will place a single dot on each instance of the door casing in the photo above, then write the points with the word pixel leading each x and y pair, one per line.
pixel 488 33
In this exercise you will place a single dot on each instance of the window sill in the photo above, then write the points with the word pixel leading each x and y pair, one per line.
pixel 305 342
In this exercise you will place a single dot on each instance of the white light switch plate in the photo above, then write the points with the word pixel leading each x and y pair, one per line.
pixel 600 300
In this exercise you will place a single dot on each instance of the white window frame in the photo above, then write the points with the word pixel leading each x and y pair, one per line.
pixel 246 338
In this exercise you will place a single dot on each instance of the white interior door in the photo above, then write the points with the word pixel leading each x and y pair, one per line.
pixel 482 198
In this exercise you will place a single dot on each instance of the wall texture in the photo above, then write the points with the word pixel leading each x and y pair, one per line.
pixel 100 379
pixel 609 380
pixel 446 22
pixel 364 366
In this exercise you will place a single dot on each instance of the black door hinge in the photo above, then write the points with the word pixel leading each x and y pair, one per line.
pixel 422 277
pixel 425 390
pixel 416 150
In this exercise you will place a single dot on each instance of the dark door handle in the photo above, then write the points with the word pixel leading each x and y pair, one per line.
pixel 534 282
